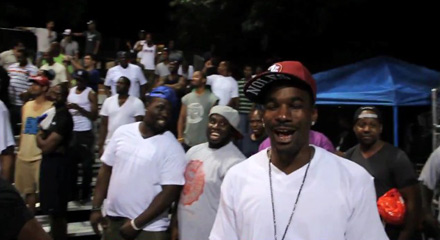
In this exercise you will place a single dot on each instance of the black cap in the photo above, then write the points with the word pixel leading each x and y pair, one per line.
pixel 358 114
pixel 81 74
pixel 50 74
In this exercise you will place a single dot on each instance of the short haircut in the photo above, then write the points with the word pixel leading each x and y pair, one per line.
pixel 92 56
pixel 126 80
pixel 16 43
pixel 23 51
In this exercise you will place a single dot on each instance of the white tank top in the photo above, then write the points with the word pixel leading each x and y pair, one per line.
pixel 148 54
pixel 80 122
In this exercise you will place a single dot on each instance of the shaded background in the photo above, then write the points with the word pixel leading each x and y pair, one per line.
pixel 322 33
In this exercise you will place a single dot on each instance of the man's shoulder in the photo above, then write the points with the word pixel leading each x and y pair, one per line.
pixel 134 66
pixel 389 148
pixel 168 142
pixel 59 66
pixel 113 69
pixel 234 154
pixel 134 99
pixel 5 53
pixel 126 129
pixel 197 148
pixel 344 167
pixel 250 165
pixel 110 99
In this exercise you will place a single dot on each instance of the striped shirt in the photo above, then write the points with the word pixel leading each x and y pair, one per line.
pixel 19 81
pixel 245 104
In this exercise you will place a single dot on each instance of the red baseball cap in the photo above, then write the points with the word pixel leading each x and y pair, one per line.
pixel 282 71
pixel 40 80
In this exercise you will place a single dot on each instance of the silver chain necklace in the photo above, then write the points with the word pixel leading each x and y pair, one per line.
pixel 296 201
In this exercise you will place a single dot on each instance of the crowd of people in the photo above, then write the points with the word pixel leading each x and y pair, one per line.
pixel 191 153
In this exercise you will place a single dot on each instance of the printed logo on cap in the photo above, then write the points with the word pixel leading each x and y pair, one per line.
pixel 275 68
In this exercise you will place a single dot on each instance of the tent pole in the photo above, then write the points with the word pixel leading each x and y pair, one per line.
pixel 396 126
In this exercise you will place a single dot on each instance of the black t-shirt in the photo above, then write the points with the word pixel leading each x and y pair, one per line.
pixel 390 167
pixel 4 85
pixel 91 40
pixel 62 124
pixel 13 212
pixel 249 146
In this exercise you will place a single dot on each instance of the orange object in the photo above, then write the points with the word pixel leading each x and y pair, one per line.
pixel 391 207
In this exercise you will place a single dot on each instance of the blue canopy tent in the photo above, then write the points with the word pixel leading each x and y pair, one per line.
pixel 382 81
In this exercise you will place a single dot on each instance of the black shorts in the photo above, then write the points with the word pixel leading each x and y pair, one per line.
pixel 54 184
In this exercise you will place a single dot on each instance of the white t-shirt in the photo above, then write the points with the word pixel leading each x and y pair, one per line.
pixel 43 38
pixel 338 201
pixel 120 115
pixel 147 55
pixel 132 72
pixel 201 194
pixel 6 137
pixel 7 58
pixel 60 73
pixel 430 175
pixel 140 168
pixel 225 88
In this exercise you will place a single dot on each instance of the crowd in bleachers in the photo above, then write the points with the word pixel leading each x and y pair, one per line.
pixel 168 133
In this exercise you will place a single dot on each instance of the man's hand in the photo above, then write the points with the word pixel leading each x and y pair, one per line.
pixel 73 106
pixel 127 231
pixel 95 219
pixel 174 233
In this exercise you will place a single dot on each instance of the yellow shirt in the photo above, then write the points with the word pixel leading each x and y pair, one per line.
pixel 28 150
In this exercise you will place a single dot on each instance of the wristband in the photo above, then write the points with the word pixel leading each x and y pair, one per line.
pixel 134 225
pixel 95 208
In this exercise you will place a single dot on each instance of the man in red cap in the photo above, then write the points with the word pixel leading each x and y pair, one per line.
pixel 294 190
pixel 27 165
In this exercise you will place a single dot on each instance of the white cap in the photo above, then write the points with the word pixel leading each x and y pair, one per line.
pixel 67 32
pixel 230 114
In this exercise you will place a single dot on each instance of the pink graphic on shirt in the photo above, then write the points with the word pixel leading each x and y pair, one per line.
pixel 194 182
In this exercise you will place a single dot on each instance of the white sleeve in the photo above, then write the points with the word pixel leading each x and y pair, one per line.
pixel 234 89
pixel 108 78
pixel 210 79
pixel 190 72
pixel 364 223
pixel 225 227
pixel 33 71
pixel 109 155
pixel 141 77
pixel 172 168
pixel 104 108
pixel 431 171
pixel 139 108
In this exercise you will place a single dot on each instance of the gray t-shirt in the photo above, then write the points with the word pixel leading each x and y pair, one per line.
pixel 197 112
pixel 162 70
pixel 70 48
pixel 390 167
pixel 200 196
